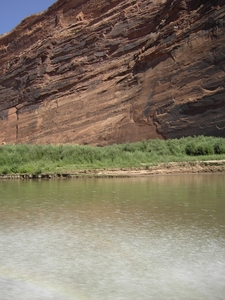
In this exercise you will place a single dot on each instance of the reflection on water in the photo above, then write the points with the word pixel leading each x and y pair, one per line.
pixel 159 237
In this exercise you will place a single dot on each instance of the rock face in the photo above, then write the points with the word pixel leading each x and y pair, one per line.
pixel 113 71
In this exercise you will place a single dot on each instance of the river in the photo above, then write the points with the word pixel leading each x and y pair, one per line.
pixel 157 237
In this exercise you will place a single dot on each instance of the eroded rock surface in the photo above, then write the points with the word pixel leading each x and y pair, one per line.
pixel 103 72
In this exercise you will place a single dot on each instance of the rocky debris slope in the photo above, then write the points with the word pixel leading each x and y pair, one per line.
pixel 103 72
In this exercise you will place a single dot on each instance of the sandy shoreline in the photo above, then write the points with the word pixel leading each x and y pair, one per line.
pixel 215 166
pixel 194 167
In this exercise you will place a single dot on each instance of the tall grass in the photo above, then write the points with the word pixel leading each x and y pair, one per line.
pixel 24 158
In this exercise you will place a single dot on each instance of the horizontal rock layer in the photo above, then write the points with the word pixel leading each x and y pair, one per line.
pixel 104 72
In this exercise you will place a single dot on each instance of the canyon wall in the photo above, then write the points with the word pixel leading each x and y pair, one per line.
pixel 114 71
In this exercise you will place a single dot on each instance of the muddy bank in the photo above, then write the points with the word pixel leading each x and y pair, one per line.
pixel 212 166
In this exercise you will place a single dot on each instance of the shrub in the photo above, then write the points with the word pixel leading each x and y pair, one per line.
pixel 174 147
pixel 219 148
pixel 130 147
pixel 203 148
pixel 5 171
pixel 191 149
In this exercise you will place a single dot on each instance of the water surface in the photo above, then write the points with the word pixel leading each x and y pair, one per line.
pixel 159 237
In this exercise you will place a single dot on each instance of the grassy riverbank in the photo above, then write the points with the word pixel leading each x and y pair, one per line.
pixel 39 159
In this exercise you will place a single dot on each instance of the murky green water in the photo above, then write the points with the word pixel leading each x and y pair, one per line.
pixel 159 237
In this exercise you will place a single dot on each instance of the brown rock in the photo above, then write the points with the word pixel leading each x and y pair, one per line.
pixel 114 71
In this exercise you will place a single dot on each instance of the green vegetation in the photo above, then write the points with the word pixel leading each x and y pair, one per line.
pixel 36 159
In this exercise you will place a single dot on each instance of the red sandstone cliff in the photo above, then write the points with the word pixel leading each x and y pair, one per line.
pixel 103 72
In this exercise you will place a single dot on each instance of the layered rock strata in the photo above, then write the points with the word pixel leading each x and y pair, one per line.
pixel 104 72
